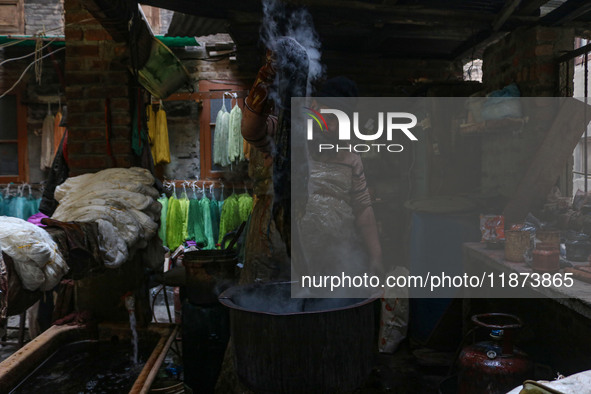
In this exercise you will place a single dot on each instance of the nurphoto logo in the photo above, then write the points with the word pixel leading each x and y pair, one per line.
pixel 388 123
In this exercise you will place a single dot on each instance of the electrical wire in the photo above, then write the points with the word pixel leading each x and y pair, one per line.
pixel 27 69
pixel 25 56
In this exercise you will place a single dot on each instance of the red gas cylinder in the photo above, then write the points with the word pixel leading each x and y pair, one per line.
pixel 494 366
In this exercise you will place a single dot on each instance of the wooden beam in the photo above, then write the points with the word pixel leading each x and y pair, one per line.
pixel 505 13
pixel 548 163
pixel 567 12
pixel 529 7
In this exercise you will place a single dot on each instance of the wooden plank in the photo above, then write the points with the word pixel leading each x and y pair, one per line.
pixel 568 11
pixel 529 7
pixel 506 12
pixel 549 161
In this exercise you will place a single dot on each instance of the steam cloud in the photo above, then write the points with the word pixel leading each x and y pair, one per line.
pixel 280 22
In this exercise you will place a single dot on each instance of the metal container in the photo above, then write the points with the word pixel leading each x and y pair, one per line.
pixel 578 249
pixel 209 273
pixel 516 243
pixel 494 366
pixel 285 345
pixel 546 258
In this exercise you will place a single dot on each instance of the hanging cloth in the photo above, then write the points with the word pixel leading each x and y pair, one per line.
pixel 47 140
pixel 224 161
pixel 204 204
pixel 58 131
pixel 230 216
pixel 163 200
pixel 235 141
pixel 184 201
pixel 244 206
pixel 214 207
pixel 161 140
pixel 174 223
pixel 218 146
pixel 19 208
pixel 151 122
pixel 195 225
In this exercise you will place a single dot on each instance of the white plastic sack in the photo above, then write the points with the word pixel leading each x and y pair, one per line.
pixel 37 260
pixel 394 316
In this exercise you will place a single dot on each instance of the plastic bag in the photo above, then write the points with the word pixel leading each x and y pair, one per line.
pixel 492 227
pixel 504 103
pixel 394 316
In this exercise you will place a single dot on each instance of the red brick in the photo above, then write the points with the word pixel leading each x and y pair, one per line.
pixel 122 133
pixel 544 50
pixel 124 161
pixel 120 50
pixel 121 147
pixel 89 162
pixel 546 34
pixel 79 16
pixel 85 134
pixel 73 34
pixel 117 91
pixel 75 147
pixel 97 147
pixel 73 65
pixel 120 104
pixel 116 77
pixel 93 34
pixel 86 119
pixel 98 65
pixel 121 119
pixel 82 78
pixel 86 50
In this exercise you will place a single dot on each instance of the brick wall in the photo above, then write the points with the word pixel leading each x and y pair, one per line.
pixel 44 14
pixel 95 71
pixel 528 58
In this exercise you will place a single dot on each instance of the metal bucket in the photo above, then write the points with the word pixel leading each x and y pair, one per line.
pixel 285 345
pixel 208 273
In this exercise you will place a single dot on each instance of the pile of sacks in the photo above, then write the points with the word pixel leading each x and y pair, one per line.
pixel 122 201
pixel 37 260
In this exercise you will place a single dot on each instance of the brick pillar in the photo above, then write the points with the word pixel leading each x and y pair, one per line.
pixel 95 72
pixel 527 57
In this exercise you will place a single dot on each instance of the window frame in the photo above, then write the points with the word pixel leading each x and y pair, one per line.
pixel 21 142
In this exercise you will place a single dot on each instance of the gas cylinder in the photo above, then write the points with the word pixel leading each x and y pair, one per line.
pixel 494 366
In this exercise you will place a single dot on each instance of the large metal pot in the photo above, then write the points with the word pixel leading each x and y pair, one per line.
pixel 209 272
pixel 285 345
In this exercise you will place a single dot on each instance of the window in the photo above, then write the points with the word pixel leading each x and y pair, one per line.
pixel 212 94
pixel 13 140
pixel 12 17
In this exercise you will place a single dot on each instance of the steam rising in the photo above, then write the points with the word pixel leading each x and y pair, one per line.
pixel 297 24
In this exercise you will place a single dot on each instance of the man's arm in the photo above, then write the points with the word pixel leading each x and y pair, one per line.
pixel 257 127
